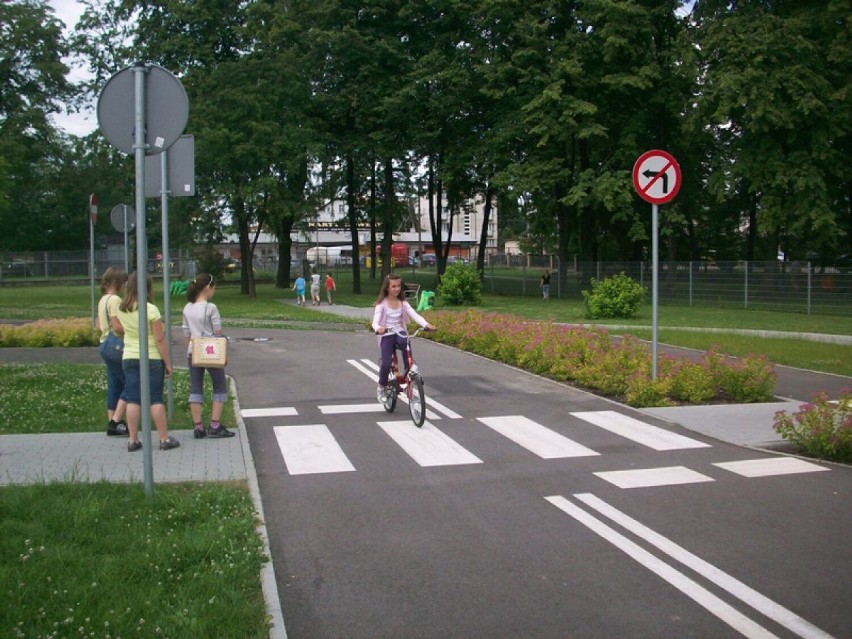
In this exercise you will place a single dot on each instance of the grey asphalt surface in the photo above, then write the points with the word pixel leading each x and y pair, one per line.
pixel 86 457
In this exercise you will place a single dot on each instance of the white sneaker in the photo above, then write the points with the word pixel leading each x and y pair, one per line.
pixel 381 394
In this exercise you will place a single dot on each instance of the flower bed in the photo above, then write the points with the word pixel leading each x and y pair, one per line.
pixel 58 332
pixel 617 368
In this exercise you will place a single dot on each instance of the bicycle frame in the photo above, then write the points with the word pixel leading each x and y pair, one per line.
pixel 409 382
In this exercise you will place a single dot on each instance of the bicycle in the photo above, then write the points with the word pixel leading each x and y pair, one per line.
pixel 410 382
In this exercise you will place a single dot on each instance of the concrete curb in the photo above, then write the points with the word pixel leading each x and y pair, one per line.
pixel 268 584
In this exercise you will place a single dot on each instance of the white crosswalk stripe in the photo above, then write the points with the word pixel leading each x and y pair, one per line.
pixel 427 445
pixel 312 448
pixel 536 438
pixel 645 477
pixel 770 466
pixel 651 436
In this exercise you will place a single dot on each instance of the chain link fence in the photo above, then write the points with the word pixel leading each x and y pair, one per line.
pixel 783 286
pixel 800 287
pixel 48 266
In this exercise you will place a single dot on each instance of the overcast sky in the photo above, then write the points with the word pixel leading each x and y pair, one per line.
pixel 84 123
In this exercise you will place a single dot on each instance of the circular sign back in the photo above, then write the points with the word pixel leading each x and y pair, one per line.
pixel 123 217
pixel 166 109
pixel 656 177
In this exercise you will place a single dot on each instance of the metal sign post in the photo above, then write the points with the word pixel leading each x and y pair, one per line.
pixel 656 178
pixel 140 104
pixel 123 219
pixel 174 176
pixel 93 219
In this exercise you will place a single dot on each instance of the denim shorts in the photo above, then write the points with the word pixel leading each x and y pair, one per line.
pixel 133 388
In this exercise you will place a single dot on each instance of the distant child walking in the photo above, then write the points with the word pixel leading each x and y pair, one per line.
pixel 545 285
pixel 315 286
pixel 299 287
pixel 391 318
pixel 330 287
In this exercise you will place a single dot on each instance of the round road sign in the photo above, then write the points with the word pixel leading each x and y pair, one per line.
pixel 656 177
pixel 166 109
pixel 123 217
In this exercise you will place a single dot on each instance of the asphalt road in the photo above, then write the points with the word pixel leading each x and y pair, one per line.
pixel 524 508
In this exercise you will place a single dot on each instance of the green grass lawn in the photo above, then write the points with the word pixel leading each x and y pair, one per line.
pixel 106 560
pixel 65 398
pixel 273 307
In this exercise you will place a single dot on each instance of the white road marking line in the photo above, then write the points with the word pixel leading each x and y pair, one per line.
pixel 644 477
pixel 770 466
pixel 536 438
pixel 687 586
pixel 342 409
pixel 366 366
pixel 427 445
pixel 651 436
pixel 278 411
pixel 741 591
pixel 438 406
pixel 311 448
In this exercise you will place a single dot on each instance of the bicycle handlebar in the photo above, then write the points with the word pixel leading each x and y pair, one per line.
pixel 403 332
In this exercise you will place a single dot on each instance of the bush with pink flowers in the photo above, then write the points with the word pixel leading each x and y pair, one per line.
pixel 822 428
pixel 591 358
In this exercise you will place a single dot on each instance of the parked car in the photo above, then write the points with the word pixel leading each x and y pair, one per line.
pixel 452 259
pixel 429 259
pixel 232 265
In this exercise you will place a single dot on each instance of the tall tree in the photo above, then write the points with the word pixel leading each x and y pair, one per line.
pixel 32 77
pixel 776 89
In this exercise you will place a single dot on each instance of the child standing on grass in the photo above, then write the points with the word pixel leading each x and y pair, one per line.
pixel 201 319
pixel 390 318
pixel 330 287
pixel 159 363
pixel 299 287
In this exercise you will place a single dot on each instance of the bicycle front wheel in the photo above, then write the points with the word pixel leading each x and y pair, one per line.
pixel 416 400
pixel 389 401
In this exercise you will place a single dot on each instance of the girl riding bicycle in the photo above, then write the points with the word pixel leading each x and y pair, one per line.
pixel 391 318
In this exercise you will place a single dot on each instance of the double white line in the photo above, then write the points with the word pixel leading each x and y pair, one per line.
pixel 689 587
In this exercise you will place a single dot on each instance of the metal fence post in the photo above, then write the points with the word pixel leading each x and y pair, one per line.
pixel 745 292
pixel 809 287
pixel 690 282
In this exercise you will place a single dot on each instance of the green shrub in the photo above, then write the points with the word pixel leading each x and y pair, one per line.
pixel 460 285
pixel 750 378
pixel 642 391
pixel 66 332
pixel 822 428
pixel 692 382
pixel 616 296
pixel 210 261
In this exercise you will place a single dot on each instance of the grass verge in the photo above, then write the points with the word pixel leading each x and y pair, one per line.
pixel 106 560
pixel 66 398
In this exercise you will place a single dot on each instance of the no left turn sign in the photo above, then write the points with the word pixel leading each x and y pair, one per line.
pixel 656 177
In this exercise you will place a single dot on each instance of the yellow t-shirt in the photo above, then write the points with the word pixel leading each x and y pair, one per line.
pixel 107 308
pixel 130 322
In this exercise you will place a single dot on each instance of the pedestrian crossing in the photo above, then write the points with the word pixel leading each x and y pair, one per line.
pixel 309 449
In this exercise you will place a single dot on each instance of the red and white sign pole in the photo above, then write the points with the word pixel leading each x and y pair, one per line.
pixel 657 179
pixel 93 219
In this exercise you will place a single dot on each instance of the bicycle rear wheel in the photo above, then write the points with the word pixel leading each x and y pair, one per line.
pixel 416 400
